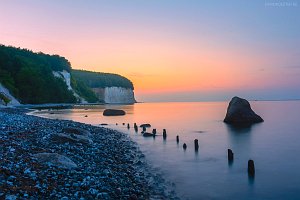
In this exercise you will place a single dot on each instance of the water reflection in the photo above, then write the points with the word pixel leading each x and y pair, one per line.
pixel 240 129
pixel 208 167
pixel 230 163
pixel 251 179
pixel 197 155
pixel 240 138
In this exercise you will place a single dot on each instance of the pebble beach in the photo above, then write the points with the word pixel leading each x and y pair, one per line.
pixel 61 159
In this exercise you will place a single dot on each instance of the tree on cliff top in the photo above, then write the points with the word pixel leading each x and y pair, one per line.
pixel 28 76
pixel 101 80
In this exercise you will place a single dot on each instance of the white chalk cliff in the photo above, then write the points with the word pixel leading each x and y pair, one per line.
pixel 12 100
pixel 115 95
pixel 118 95
pixel 66 76
pixel 110 95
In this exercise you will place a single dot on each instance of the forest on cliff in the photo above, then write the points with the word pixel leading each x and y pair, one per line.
pixel 29 77
pixel 101 80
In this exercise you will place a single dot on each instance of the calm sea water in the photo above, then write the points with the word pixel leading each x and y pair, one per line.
pixel 274 145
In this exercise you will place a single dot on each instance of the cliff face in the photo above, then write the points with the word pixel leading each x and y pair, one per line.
pixel 110 95
pixel 109 88
pixel 66 76
pixel 7 98
pixel 115 95
pixel 27 77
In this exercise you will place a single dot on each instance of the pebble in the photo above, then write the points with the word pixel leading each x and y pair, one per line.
pixel 112 167
pixel 10 197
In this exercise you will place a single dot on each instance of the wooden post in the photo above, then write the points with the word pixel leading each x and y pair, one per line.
pixel 251 168
pixel 164 134
pixel 196 145
pixel 184 146
pixel 154 132
pixel 128 126
pixel 177 138
pixel 135 127
pixel 230 155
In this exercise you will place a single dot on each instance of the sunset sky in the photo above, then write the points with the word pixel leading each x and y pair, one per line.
pixel 172 50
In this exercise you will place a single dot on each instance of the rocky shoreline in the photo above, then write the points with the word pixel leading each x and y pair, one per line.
pixel 62 159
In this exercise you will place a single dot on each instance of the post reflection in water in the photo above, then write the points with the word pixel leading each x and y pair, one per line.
pixel 207 173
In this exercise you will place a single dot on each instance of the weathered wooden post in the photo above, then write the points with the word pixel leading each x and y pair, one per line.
pixel 135 127
pixel 251 168
pixel 164 134
pixel 177 138
pixel 230 155
pixel 128 126
pixel 196 145
pixel 116 124
pixel 154 132
pixel 144 129
pixel 184 146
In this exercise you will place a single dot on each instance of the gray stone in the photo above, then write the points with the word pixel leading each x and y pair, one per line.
pixel 145 125
pixel 70 138
pixel 239 112
pixel 148 134
pixel 76 131
pixel 55 160
pixel 113 112
pixel 10 197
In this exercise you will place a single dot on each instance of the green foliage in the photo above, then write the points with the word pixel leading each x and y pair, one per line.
pixel 28 76
pixel 4 98
pixel 84 91
pixel 101 80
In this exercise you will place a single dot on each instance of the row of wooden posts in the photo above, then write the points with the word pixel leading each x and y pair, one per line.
pixel 251 167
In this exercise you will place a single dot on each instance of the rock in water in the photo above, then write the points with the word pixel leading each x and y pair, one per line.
pixel 55 160
pixel 145 125
pixel 239 112
pixel 113 112
pixel 148 134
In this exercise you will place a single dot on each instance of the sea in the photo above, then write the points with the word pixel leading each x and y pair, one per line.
pixel 273 145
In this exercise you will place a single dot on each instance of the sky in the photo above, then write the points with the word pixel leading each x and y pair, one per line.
pixel 172 50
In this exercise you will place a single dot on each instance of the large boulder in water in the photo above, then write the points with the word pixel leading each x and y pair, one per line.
pixel 239 112
pixel 113 112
